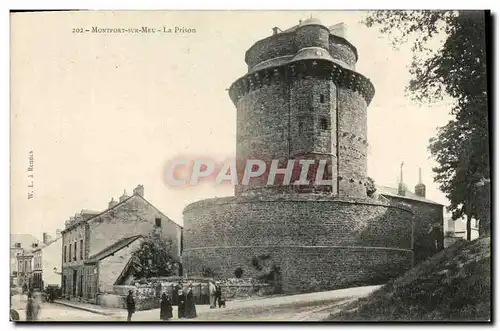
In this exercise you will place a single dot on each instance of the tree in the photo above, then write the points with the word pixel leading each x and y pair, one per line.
pixel 456 69
pixel 370 187
pixel 154 258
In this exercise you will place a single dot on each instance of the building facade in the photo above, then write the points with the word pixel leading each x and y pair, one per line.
pixel 457 229
pixel 86 270
pixel 302 99
pixel 25 270
pixel 20 244
pixel 47 262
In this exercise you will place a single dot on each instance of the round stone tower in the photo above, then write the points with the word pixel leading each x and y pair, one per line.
pixel 302 99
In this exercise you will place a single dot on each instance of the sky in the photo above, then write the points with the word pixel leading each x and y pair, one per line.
pixel 103 113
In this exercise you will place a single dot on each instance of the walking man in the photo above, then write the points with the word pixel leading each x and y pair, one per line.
pixel 211 291
pixel 130 305
pixel 218 294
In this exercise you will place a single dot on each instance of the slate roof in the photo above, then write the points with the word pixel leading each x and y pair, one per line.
pixel 25 239
pixel 393 192
pixel 112 249
pixel 118 204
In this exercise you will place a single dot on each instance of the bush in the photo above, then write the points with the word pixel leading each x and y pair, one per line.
pixel 154 258
pixel 370 187
pixel 238 272
pixel 208 272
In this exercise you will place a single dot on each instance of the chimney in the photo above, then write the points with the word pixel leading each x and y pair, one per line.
pixel 112 203
pixel 420 187
pixel 275 30
pixel 401 186
pixel 139 190
pixel 58 233
pixel 45 238
pixel 124 196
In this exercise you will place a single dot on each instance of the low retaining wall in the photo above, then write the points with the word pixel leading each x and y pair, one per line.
pixel 147 296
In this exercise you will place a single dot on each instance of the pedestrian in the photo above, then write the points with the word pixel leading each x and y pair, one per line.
pixel 175 294
pixel 130 305
pixel 218 294
pixel 190 306
pixel 181 304
pixel 37 299
pixel 165 308
pixel 211 291
pixel 31 308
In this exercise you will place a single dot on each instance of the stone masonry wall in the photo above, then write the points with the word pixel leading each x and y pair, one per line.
pixel 311 36
pixel 340 49
pixel 288 43
pixel 428 233
pixel 297 229
pixel 308 269
pixel 352 143
pixel 111 267
pixel 281 122
pixel 262 128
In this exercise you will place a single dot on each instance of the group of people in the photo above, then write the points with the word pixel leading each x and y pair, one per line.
pixel 186 307
pixel 185 304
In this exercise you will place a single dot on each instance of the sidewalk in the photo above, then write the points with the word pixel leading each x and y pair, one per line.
pixel 90 307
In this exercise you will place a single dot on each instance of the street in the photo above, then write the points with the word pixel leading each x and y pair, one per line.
pixel 302 307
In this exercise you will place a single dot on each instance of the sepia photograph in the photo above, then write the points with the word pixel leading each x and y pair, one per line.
pixel 177 166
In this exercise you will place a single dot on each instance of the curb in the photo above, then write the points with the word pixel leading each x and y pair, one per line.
pixel 91 310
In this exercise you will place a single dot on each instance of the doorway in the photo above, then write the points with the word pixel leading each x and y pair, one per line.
pixel 74 283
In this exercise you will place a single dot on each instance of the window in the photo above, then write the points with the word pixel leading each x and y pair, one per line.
pixel 158 222
pixel 301 125
pixel 74 253
pixel 323 124
pixel 322 98
pixel 81 249
pixel 69 255
pixel 64 257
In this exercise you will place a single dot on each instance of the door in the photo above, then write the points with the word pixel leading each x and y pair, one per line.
pixel 74 283
pixel 81 286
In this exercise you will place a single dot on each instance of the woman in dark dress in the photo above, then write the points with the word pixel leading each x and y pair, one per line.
pixel 31 308
pixel 190 306
pixel 165 308
pixel 181 304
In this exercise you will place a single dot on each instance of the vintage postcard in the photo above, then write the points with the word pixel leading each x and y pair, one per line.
pixel 173 166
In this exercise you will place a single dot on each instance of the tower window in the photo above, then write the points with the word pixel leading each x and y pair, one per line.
pixel 158 222
pixel 322 98
pixel 301 125
pixel 323 124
